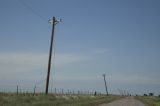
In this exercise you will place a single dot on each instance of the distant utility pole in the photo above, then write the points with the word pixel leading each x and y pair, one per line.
pixel 105 83
pixel 34 90
pixel 53 22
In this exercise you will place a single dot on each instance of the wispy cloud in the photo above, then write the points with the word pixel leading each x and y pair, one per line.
pixel 123 79
pixel 23 67
pixel 61 59
pixel 27 68
pixel 15 67
pixel 133 79
pixel 78 78
pixel 100 51
pixel 12 62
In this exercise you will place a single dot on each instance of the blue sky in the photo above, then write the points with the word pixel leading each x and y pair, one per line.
pixel 117 37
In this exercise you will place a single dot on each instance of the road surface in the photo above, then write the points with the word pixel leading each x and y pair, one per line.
pixel 128 101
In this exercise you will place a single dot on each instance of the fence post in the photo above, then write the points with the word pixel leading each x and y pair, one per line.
pixel 62 91
pixel 34 90
pixel 17 89
pixel 55 90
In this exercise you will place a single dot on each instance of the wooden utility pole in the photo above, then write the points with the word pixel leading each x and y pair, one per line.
pixel 53 22
pixel 50 56
pixel 105 83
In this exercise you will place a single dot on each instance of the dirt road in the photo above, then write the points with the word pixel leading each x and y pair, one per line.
pixel 128 101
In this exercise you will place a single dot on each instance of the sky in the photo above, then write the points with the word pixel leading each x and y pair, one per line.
pixel 119 38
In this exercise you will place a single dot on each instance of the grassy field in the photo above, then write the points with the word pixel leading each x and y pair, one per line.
pixel 149 100
pixel 52 100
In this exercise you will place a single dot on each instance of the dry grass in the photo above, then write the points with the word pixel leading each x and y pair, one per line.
pixel 52 100
pixel 149 100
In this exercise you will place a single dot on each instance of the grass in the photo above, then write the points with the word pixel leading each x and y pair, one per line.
pixel 149 100
pixel 52 100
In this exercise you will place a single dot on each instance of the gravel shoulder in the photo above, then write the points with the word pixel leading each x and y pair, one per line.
pixel 128 101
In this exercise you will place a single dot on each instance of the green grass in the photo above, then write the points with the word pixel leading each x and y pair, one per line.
pixel 52 100
pixel 149 100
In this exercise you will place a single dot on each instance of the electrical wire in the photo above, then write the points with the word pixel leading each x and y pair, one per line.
pixel 31 9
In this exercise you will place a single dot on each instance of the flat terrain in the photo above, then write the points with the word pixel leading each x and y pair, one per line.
pixel 9 99
pixel 128 101
pixel 149 100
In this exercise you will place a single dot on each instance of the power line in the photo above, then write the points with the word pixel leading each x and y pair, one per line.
pixel 31 9
pixel 28 7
